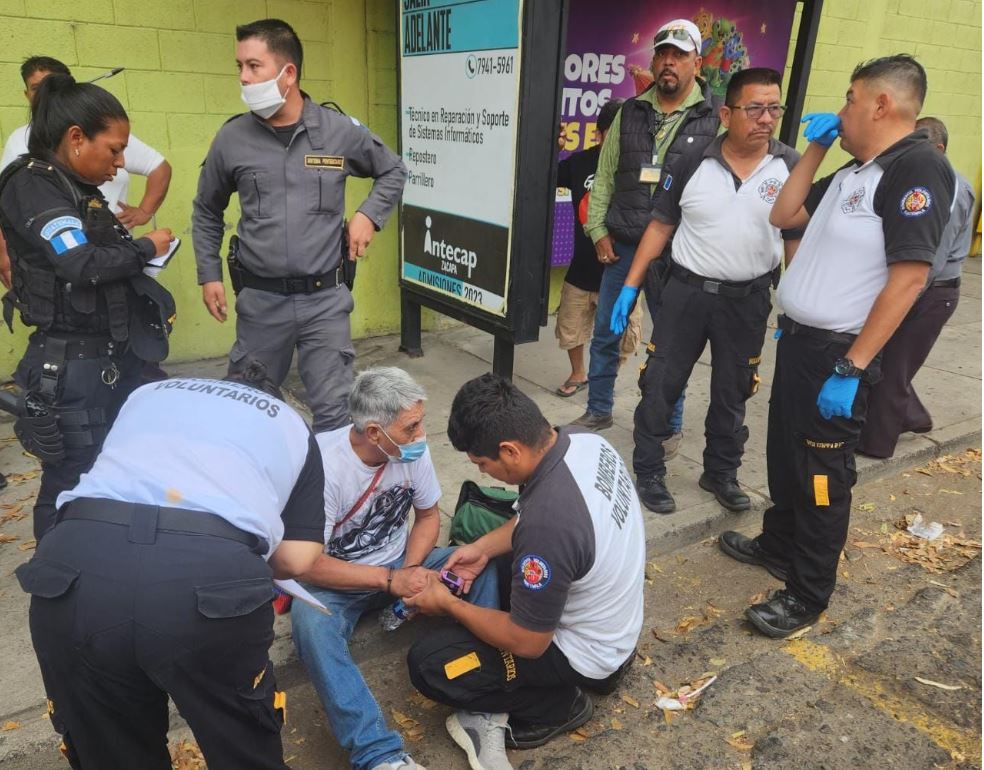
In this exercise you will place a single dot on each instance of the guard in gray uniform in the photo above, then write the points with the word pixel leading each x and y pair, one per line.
pixel 288 159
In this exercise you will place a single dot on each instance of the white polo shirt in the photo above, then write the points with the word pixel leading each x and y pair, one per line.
pixel 723 229
pixel 138 158
pixel 214 446
pixel 864 218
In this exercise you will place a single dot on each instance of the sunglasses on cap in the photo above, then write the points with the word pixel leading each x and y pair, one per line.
pixel 674 34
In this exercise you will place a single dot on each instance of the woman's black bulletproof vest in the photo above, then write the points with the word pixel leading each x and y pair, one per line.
pixel 116 308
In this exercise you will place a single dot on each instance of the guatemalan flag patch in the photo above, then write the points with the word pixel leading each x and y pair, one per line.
pixel 64 233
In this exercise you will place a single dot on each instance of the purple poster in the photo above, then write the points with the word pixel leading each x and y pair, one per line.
pixel 610 49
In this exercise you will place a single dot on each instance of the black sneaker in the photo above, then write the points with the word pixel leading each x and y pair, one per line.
pixel 781 616
pixel 725 491
pixel 748 550
pixel 593 421
pixel 654 494
pixel 527 735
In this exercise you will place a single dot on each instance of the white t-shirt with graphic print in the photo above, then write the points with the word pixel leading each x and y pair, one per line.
pixel 377 532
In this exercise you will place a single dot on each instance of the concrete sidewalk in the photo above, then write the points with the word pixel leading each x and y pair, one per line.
pixel 950 384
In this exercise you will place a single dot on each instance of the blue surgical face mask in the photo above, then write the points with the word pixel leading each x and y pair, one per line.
pixel 408 452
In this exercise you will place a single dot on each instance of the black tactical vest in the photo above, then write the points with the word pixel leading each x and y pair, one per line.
pixel 137 309
pixel 631 204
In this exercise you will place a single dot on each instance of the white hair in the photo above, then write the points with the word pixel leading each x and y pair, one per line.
pixel 379 395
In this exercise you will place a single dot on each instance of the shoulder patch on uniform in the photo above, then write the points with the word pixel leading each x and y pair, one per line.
pixel 916 202
pixel 535 571
pixel 668 182
pixel 60 224
pixel 68 240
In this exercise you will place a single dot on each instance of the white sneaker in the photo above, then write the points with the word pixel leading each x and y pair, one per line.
pixel 483 737
pixel 404 764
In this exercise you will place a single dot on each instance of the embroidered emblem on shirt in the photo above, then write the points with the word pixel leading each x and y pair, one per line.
pixel 916 202
pixel 535 571
pixel 769 189
pixel 851 203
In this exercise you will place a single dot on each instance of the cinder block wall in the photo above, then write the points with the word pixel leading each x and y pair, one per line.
pixel 945 35
pixel 180 85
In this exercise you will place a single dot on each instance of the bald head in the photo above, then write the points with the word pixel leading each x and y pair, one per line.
pixel 938 134
pixel 901 76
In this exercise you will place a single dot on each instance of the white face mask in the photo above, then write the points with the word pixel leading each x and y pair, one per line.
pixel 264 98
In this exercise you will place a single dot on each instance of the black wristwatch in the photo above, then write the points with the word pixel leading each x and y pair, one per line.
pixel 845 368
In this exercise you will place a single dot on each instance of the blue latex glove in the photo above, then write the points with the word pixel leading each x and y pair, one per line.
pixel 836 397
pixel 823 128
pixel 622 307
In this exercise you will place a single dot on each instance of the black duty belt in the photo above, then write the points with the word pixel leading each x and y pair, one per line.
pixel 789 326
pixel 146 520
pixel 946 283
pixel 72 347
pixel 724 288
pixel 305 284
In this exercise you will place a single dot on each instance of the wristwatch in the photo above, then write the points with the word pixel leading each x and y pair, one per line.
pixel 845 368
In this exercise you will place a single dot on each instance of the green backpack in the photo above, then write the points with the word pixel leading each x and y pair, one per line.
pixel 480 510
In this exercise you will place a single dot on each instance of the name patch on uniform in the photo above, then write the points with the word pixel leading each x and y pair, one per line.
pixel 851 203
pixel 59 224
pixel 769 189
pixel 324 161
pixel 535 571
pixel 916 202
pixel 68 240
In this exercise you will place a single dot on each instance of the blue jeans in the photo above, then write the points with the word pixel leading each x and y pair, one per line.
pixel 603 366
pixel 322 644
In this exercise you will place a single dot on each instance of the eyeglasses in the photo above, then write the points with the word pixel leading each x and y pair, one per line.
pixel 756 111
pixel 675 34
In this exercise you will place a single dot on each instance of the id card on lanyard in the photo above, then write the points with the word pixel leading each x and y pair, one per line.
pixel 662 127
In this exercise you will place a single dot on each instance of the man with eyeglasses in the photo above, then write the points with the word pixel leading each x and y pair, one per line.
pixel 675 118
pixel 716 207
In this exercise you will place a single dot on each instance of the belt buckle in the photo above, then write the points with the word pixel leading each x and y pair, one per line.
pixel 711 287
pixel 294 285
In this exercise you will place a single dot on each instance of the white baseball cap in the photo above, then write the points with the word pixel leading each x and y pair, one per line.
pixel 681 33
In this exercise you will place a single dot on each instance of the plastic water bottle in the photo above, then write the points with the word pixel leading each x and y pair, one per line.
pixel 391 618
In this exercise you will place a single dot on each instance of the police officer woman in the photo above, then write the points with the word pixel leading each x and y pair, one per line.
pixel 78 279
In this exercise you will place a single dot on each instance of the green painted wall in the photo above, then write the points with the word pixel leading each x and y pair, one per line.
pixel 180 85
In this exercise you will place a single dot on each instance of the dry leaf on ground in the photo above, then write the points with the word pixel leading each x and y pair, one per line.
pixel 185 755
pixel 741 741
pixel 5 538
pixel 9 725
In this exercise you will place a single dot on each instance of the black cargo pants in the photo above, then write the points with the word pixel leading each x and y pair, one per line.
pixel 693 312
pixel 86 407
pixel 119 623
pixel 810 462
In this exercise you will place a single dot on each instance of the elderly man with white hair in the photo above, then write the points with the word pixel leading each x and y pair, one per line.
pixel 376 470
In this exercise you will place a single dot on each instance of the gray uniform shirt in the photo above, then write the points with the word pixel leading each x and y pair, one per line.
pixel 955 243
pixel 293 198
